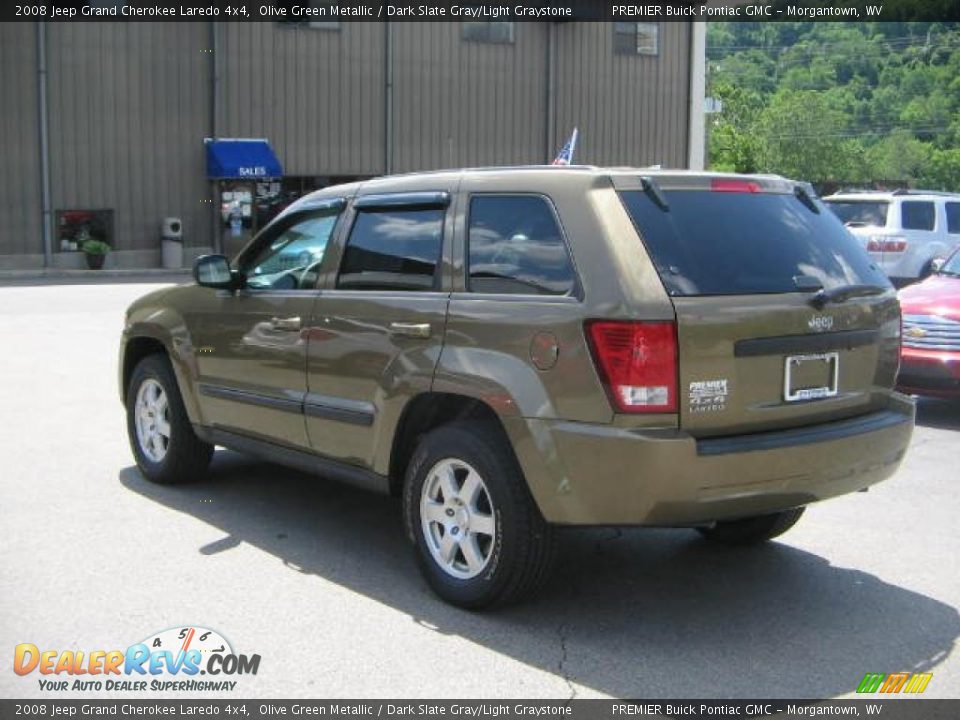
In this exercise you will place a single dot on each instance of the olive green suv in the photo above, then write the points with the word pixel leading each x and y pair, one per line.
pixel 515 349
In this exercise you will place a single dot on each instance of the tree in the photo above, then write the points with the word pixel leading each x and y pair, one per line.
pixel 804 138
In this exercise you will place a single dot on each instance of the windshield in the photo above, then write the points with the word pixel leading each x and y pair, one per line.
pixel 728 243
pixel 860 213
pixel 952 265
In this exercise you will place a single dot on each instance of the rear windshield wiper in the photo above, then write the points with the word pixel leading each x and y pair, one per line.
pixel 804 195
pixel 844 292
pixel 652 189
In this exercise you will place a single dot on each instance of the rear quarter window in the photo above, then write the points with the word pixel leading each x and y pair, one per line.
pixel 728 243
pixel 917 215
pixel 953 217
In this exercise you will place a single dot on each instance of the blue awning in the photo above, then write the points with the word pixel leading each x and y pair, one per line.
pixel 232 158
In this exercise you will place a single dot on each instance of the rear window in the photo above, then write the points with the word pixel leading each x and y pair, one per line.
pixel 917 215
pixel 393 249
pixel 860 213
pixel 726 243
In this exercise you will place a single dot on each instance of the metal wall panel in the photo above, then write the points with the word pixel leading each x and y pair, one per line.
pixel 462 103
pixel 20 232
pixel 317 95
pixel 631 109
pixel 129 108
pixel 130 103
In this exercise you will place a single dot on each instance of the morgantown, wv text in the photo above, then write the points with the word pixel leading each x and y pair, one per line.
pixel 738 11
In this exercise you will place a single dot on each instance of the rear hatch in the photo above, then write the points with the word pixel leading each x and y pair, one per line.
pixel 782 319
pixel 867 219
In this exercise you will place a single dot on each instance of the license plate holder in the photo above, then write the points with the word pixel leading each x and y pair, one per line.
pixel 810 377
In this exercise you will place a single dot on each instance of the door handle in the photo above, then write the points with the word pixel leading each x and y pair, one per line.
pixel 419 330
pixel 290 323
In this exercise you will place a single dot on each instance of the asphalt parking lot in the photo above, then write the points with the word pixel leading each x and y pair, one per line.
pixel 318 580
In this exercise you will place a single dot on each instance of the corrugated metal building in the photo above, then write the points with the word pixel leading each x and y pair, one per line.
pixel 120 112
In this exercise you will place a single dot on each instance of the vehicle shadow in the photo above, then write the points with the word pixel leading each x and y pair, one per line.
pixel 940 414
pixel 632 613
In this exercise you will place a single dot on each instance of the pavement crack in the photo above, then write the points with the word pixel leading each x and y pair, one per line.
pixel 562 663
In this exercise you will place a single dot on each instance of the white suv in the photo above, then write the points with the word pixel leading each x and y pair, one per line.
pixel 904 231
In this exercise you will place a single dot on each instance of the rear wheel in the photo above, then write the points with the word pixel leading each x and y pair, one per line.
pixel 479 538
pixel 752 530
pixel 166 449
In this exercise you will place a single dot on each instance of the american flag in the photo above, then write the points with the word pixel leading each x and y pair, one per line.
pixel 565 157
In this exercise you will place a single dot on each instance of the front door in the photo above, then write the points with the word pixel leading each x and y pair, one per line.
pixel 251 345
pixel 378 328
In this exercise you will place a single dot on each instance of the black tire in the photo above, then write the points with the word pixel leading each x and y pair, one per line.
pixel 752 530
pixel 523 549
pixel 187 457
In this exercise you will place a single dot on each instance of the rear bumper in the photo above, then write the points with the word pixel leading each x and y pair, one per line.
pixel 929 372
pixel 582 474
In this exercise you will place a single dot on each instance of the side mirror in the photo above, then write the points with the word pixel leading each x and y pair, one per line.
pixel 213 271
pixel 937 264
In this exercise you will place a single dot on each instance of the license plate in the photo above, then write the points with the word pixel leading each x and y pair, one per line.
pixel 810 377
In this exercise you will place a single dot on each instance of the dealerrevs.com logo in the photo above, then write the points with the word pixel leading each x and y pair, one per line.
pixel 171 660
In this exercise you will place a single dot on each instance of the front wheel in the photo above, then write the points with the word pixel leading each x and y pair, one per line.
pixel 166 449
pixel 479 538
pixel 752 530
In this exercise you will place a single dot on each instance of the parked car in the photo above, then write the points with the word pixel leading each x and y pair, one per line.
pixel 930 354
pixel 513 350
pixel 904 231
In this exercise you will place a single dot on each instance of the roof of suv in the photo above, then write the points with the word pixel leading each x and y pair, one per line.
pixel 891 195
pixel 622 177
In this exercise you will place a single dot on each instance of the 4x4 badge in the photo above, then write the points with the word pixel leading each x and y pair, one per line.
pixel 820 322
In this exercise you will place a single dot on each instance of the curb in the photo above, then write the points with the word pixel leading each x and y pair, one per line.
pixel 67 274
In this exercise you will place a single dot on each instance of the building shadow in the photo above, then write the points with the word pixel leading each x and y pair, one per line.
pixel 940 414
pixel 631 613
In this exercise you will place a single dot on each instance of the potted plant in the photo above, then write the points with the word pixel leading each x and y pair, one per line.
pixel 96 252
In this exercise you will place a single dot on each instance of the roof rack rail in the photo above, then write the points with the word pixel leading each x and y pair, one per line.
pixel 910 191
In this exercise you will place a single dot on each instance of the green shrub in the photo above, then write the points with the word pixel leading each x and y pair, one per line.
pixel 95 247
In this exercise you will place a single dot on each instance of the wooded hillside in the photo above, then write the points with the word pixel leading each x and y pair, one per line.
pixel 838 104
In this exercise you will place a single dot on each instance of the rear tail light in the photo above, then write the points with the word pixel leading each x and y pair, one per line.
pixel 731 185
pixel 637 362
pixel 881 243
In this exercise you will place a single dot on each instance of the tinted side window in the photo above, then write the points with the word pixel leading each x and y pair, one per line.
pixel 953 217
pixel 917 215
pixel 393 249
pixel 515 246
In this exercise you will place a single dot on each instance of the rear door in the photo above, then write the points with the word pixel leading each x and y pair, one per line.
pixel 378 327
pixel 741 260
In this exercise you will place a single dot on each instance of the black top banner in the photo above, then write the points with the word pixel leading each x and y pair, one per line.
pixel 295 11
pixel 400 709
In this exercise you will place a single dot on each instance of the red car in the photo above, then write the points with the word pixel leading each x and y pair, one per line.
pixel 930 353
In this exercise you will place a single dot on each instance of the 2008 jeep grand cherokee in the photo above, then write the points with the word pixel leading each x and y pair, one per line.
pixel 510 350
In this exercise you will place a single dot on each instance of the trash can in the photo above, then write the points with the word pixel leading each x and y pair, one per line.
pixel 171 243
